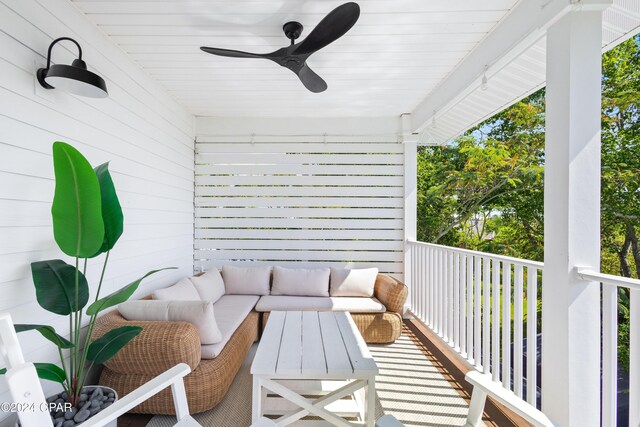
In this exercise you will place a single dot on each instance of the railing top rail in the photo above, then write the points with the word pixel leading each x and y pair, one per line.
pixel 608 279
pixel 512 260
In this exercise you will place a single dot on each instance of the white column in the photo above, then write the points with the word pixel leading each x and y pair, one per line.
pixel 571 307
pixel 410 195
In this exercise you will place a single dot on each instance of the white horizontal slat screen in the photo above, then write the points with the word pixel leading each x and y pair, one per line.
pixel 299 204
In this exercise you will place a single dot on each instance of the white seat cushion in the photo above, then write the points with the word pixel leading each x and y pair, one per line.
pixel 181 291
pixel 300 281
pixel 246 280
pixel 198 313
pixel 353 282
pixel 231 310
pixel 210 286
pixel 350 304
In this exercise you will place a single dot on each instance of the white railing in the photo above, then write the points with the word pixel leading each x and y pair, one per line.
pixel 610 285
pixel 466 298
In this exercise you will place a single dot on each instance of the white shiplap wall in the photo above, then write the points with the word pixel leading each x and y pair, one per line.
pixel 282 201
pixel 145 134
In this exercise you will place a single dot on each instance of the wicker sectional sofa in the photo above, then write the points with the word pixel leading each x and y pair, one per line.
pixel 163 344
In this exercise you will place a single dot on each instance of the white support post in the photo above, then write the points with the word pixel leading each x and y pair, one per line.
pixel 571 315
pixel 410 197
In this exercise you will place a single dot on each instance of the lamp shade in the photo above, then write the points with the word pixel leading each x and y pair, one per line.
pixel 74 78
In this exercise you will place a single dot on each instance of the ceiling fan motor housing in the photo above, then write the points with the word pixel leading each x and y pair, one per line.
pixel 333 26
pixel 292 30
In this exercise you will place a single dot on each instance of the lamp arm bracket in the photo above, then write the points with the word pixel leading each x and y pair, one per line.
pixel 59 40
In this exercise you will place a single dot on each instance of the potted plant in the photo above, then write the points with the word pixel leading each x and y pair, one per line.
pixel 87 222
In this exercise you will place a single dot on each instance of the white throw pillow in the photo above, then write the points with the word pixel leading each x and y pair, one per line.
pixel 353 283
pixel 246 280
pixel 210 286
pixel 199 313
pixel 301 282
pixel 181 291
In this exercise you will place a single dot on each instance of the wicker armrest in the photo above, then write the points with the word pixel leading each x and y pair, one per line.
pixel 160 346
pixel 391 292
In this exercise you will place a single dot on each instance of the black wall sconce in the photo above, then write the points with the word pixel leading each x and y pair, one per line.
pixel 74 78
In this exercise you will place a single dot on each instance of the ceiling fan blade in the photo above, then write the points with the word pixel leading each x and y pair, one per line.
pixel 332 27
pixel 232 53
pixel 311 80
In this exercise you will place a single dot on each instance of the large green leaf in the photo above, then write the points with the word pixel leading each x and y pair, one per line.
pixel 46 371
pixel 51 372
pixel 105 347
pixel 111 210
pixel 77 214
pixel 119 296
pixel 48 332
pixel 55 283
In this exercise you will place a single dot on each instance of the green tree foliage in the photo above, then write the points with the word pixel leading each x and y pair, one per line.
pixel 488 182
pixel 484 191
pixel 621 157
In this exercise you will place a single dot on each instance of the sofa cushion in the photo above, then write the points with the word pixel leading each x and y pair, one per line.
pixel 231 310
pixel 353 282
pixel 300 281
pixel 198 313
pixel 350 304
pixel 181 291
pixel 209 285
pixel 246 280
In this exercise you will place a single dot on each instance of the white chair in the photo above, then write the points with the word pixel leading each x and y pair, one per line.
pixel 484 386
pixel 25 387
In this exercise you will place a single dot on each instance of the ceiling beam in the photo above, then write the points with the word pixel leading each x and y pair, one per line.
pixel 299 127
pixel 522 27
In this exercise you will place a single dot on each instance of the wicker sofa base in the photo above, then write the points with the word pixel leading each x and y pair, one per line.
pixel 205 386
pixel 376 328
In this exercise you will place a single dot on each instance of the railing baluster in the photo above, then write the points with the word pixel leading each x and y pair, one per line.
pixel 517 331
pixel 424 273
pixel 432 290
pixel 634 354
pixel 495 312
pixel 609 355
pixel 424 311
pixel 419 281
pixel 427 299
pixel 425 296
pixel 463 307
pixel 486 316
pixel 443 313
pixel 438 300
pixel 416 282
pixel 532 335
pixel 506 325
pixel 469 303
pixel 456 301
pixel 477 314
pixel 436 303
pixel 450 288
pixel 443 295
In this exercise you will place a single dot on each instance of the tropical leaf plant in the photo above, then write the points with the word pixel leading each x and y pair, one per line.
pixel 87 222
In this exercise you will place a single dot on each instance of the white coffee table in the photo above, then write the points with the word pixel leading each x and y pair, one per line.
pixel 298 351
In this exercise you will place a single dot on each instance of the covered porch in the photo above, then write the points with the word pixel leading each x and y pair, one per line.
pixel 221 165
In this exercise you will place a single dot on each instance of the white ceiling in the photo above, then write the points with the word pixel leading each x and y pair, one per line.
pixel 386 65
pixel 523 75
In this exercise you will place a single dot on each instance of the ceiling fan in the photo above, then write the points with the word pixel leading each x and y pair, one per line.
pixel 294 57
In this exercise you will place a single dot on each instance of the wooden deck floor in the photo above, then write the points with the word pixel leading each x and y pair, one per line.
pixel 440 356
